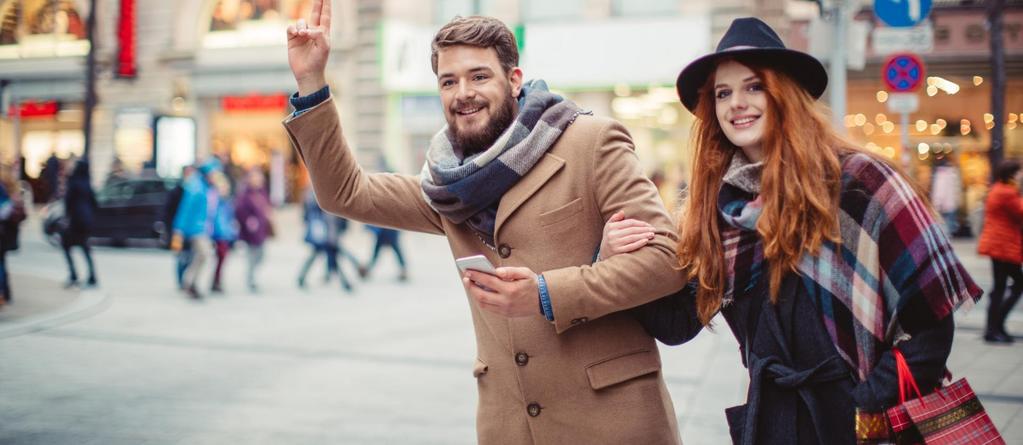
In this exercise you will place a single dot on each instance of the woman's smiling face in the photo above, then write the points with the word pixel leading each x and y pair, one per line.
pixel 740 103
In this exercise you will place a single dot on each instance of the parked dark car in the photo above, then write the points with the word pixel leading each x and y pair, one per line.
pixel 129 210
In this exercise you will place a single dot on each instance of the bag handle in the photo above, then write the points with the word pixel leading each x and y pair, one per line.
pixel 906 380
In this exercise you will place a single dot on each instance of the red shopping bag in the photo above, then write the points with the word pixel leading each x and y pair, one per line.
pixel 950 415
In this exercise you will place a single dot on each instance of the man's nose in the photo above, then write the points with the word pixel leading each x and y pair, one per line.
pixel 465 90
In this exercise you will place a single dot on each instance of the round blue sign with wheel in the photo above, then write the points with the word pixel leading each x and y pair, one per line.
pixel 902 13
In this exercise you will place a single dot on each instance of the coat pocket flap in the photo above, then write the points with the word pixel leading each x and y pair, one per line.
pixel 622 368
pixel 561 213
pixel 479 368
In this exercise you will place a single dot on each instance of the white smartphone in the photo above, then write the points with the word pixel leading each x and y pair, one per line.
pixel 478 263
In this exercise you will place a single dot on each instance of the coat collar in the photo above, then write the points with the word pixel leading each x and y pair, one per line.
pixel 542 172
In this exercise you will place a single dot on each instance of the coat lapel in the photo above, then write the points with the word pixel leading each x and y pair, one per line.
pixel 542 172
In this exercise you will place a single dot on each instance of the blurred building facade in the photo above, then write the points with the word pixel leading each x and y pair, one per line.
pixel 952 125
pixel 183 80
pixel 178 81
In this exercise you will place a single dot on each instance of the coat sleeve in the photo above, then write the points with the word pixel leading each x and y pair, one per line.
pixel 672 319
pixel 342 188
pixel 925 353
pixel 583 293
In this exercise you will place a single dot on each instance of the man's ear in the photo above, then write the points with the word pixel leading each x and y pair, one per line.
pixel 515 78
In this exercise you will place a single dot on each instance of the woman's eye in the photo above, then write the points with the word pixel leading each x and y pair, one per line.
pixel 756 87
pixel 721 94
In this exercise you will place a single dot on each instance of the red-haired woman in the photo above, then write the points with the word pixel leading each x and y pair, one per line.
pixel 819 256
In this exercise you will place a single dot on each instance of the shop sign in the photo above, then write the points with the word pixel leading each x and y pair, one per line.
pixel 903 102
pixel 903 73
pixel 126 66
pixel 254 102
pixel 918 39
pixel 902 13
pixel 31 109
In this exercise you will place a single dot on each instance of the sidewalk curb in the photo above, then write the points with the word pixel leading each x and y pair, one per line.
pixel 88 303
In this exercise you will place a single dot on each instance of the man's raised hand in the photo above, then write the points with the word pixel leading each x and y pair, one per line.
pixel 308 48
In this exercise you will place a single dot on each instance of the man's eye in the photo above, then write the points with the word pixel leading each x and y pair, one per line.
pixel 479 77
pixel 447 83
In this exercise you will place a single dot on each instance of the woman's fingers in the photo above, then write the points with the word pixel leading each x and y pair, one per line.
pixel 633 246
pixel 619 233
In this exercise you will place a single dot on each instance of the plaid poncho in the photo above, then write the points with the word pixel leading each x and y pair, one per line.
pixel 894 271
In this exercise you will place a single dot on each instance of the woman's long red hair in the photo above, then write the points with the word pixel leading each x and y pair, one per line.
pixel 800 186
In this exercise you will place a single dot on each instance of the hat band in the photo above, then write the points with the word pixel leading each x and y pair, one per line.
pixel 739 47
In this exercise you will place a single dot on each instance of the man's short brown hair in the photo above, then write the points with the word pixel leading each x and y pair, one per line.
pixel 481 32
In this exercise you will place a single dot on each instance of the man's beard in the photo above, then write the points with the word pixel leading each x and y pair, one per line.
pixel 471 142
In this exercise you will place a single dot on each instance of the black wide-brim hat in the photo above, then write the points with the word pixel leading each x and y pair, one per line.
pixel 751 39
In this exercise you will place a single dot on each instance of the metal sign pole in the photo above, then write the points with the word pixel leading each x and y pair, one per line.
pixel 907 156
pixel 837 87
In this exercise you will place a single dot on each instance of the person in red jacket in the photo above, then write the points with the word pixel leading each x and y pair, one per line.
pixel 1002 240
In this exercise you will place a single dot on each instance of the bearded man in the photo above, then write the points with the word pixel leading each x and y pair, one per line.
pixel 527 179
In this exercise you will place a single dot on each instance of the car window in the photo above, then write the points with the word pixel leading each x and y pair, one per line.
pixel 118 191
pixel 147 187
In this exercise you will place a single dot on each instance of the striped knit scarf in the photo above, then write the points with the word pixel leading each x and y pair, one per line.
pixel 468 190
pixel 894 272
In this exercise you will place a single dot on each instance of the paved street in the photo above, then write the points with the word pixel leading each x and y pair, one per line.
pixel 135 362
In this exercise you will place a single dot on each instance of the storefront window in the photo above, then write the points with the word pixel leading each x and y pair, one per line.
pixel 624 8
pixel 41 28
pixel 448 9
pixel 237 23
pixel 544 10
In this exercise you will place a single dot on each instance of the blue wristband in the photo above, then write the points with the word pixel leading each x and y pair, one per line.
pixel 545 298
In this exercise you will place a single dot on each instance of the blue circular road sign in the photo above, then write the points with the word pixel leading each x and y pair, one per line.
pixel 903 73
pixel 902 13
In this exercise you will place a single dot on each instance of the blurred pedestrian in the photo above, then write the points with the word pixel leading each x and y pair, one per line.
pixel 322 233
pixel 946 194
pixel 193 223
pixel 819 255
pixel 386 238
pixel 253 210
pixel 80 207
pixel 51 176
pixel 12 213
pixel 10 226
pixel 1002 240
pixel 170 211
pixel 225 228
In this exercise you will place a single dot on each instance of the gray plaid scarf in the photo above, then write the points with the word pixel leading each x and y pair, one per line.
pixel 468 190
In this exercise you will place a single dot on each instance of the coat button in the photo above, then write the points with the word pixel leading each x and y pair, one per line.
pixel 533 409
pixel 504 250
pixel 521 358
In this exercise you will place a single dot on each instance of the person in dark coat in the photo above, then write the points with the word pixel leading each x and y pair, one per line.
pixel 385 238
pixel 322 232
pixel 821 257
pixel 51 177
pixel 253 209
pixel 80 205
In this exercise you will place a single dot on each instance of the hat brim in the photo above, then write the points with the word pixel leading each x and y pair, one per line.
pixel 804 69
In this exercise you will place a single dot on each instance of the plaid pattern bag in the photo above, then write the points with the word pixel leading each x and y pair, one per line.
pixel 950 415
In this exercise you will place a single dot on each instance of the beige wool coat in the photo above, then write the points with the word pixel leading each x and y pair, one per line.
pixel 593 375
